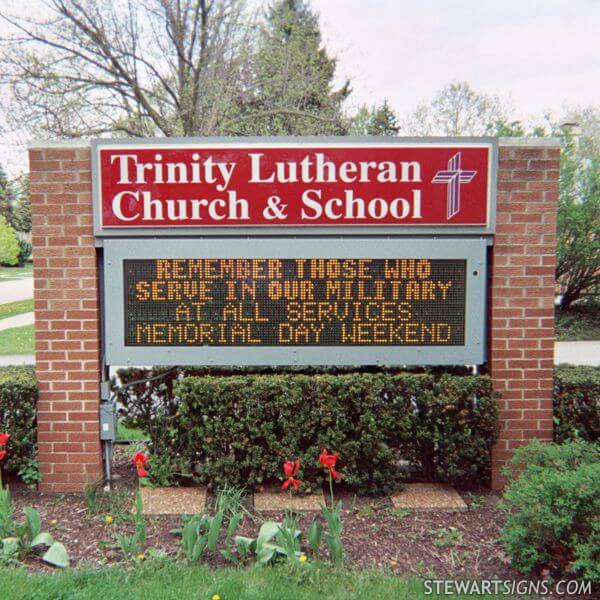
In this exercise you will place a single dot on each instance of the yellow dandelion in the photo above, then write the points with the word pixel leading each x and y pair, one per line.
pixel 303 558
pixel 216 597
pixel 141 556
pixel 53 522
pixel 108 519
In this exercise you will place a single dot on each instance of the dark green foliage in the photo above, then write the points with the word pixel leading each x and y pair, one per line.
pixel 578 220
pixel 580 322
pixel 150 405
pixel 25 249
pixel 21 213
pixel 292 83
pixel 554 509
pixel 576 403
pixel 18 402
pixel 239 430
pixel 383 121
pixel 7 196
pixel 377 120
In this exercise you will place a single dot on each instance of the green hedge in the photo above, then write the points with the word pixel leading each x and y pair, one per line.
pixel 18 403
pixel 240 429
pixel 576 403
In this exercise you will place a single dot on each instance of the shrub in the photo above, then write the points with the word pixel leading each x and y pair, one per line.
pixel 554 509
pixel 576 403
pixel 9 244
pixel 25 249
pixel 18 403
pixel 238 430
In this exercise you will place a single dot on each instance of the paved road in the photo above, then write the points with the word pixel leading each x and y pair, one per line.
pixel 577 353
pixel 17 359
pixel 17 321
pixel 19 289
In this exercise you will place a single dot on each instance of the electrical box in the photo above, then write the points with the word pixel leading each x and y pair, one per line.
pixel 108 421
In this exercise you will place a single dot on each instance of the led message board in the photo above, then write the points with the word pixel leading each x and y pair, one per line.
pixel 297 301
pixel 274 185
pixel 286 301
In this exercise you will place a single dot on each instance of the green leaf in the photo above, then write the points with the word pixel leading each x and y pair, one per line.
pixel 315 536
pixel 213 531
pixel 267 532
pixel 189 536
pixel 244 545
pixel 10 547
pixel 265 554
pixel 57 555
pixel 199 548
pixel 43 538
pixel 233 525
pixel 34 522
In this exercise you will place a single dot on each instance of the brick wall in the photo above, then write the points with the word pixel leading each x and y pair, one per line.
pixel 521 326
pixel 67 327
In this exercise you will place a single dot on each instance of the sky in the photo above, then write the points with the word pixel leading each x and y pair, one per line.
pixel 540 56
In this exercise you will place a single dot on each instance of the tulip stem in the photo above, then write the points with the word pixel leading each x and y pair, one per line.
pixel 331 488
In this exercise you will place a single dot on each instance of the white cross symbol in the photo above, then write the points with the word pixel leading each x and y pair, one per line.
pixel 453 177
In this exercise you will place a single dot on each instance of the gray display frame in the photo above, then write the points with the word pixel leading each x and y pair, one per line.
pixel 309 230
pixel 473 352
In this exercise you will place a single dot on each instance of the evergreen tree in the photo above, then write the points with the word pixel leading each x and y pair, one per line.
pixel 21 214
pixel 361 120
pixel 383 121
pixel 380 120
pixel 6 196
pixel 292 90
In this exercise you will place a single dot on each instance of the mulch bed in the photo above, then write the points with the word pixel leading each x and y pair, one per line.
pixel 374 533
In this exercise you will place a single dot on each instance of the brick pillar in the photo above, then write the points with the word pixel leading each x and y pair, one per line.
pixel 522 294
pixel 67 328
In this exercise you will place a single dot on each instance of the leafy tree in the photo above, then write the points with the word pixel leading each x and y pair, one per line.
pixel 21 215
pixel 169 67
pixel 456 109
pixel 380 120
pixel 291 90
pixel 9 243
pixel 578 246
pixel 156 67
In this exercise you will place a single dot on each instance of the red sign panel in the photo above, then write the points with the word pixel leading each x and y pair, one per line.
pixel 178 185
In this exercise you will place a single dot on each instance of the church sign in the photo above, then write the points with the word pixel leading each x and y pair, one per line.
pixel 311 186
pixel 295 251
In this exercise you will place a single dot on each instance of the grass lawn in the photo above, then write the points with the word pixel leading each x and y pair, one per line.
pixel 16 308
pixel 16 272
pixel 129 434
pixel 580 322
pixel 17 340
pixel 166 580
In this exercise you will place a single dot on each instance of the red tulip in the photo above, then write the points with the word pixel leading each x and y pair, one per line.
pixel 4 437
pixel 329 461
pixel 290 469
pixel 2 455
pixel 140 460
